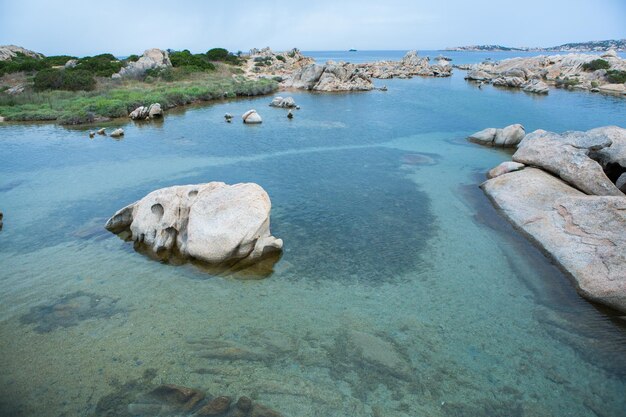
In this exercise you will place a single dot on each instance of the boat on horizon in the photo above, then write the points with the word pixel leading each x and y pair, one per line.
pixel 352 50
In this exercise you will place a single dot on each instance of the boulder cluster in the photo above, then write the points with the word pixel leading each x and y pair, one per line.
pixel 151 59
pixel 154 111
pixel 535 74
pixel 566 192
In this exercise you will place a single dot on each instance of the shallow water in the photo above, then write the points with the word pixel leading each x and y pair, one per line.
pixel 400 292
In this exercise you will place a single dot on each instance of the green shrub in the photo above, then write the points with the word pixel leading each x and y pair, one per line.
pixel 22 62
pixel 187 59
pixel 103 65
pixel 131 58
pixel 567 82
pixel 57 60
pixel 280 58
pixel 58 79
pixel 616 76
pixel 596 64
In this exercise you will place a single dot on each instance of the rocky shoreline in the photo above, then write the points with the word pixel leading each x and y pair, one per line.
pixel 294 70
pixel 606 74
pixel 565 192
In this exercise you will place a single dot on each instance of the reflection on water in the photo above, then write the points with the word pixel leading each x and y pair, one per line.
pixel 400 292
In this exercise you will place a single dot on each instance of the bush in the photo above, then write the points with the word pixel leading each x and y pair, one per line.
pixel 57 79
pixel 103 65
pixel 187 59
pixel 131 58
pixel 57 60
pixel 22 62
pixel 616 76
pixel 596 64
pixel 567 82
pixel 280 58
pixel 222 55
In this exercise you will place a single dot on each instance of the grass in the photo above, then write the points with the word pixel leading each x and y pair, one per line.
pixel 111 100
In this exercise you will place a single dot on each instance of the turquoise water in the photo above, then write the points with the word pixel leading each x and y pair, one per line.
pixel 400 292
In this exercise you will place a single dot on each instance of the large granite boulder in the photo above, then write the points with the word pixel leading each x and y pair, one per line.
pixel 504 168
pixel 330 77
pixel 613 153
pixel 508 137
pixel 214 222
pixel 151 58
pixel 536 86
pixel 585 235
pixel 567 156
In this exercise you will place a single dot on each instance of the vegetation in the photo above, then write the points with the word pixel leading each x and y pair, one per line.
pixel 193 62
pixel 24 63
pixel 60 79
pixel 57 60
pixel 222 55
pixel 596 64
pixel 567 82
pixel 103 65
pixel 616 76
pixel 73 107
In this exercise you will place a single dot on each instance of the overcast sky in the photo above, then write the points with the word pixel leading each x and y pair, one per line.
pixel 83 27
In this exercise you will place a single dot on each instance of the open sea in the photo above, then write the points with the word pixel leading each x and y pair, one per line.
pixel 400 292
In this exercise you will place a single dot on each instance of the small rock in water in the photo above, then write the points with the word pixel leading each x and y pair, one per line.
pixel 117 133
pixel 290 115
pixel 92 134
pixel 1 218
pixel 215 407
pixel 228 117
pixel 178 395
pixel 251 117
pixel 101 131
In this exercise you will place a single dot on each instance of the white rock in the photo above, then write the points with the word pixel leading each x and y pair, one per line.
pixel 117 133
pixel 151 58
pixel 509 136
pixel 155 111
pixel 287 102
pixel 251 117
pixel 213 222
pixel 504 168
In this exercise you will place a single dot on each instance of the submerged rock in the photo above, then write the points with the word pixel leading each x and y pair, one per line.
pixel 147 112
pixel 213 222
pixel 252 117
pixel 101 131
pixel 586 235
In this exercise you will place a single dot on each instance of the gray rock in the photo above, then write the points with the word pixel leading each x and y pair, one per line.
pixel 585 235
pixel 509 136
pixel 212 222
pixel 15 90
pixel 504 168
pixel 151 58
pixel 8 52
pixel 558 154
pixel 155 111
pixel 615 151
pixel 71 63
pixel 478 75
pixel 287 102
pixel 117 133
pixel 536 86
pixel 251 117
pixel 484 137
pixel 621 183
pixel 139 113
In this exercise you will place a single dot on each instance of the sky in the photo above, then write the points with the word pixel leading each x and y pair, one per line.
pixel 85 27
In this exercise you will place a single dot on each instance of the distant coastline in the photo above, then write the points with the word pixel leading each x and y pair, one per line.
pixel 618 45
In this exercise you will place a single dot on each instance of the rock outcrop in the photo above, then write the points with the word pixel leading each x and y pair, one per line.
pixel 534 74
pixel 267 63
pixel 8 52
pixel 508 137
pixel 151 58
pixel 287 102
pixel 569 202
pixel 252 117
pixel 154 111
pixel 409 66
pixel 213 222
pixel 567 156
pixel 330 77
pixel 585 235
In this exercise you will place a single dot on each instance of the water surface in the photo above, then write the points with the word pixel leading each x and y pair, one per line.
pixel 400 292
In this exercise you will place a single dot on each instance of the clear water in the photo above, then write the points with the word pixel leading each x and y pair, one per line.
pixel 401 292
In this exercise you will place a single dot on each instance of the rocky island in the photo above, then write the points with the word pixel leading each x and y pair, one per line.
pixel 606 73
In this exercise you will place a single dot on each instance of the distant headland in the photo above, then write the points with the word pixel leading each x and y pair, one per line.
pixel 590 46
